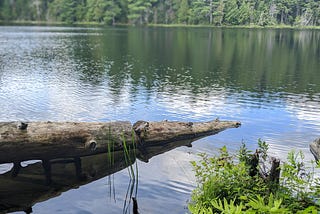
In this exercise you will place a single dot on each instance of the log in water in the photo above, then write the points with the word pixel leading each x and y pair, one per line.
pixel 48 140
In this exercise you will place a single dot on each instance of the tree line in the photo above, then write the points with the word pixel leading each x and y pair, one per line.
pixel 141 12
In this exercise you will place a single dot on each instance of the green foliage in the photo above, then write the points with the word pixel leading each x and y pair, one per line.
pixel 263 149
pixel 227 207
pixel 213 12
pixel 183 12
pixel 102 11
pixel 226 186
pixel 298 183
pixel 260 205
pixel 63 10
pixel 239 14
pixel 139 11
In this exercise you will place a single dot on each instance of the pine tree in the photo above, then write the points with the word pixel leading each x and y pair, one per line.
pixel 139 11
pixel 183 12
pixel 102 11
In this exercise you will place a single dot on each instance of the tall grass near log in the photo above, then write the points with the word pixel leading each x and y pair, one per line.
pixel 132 190
pixel 129 152
pixel 110 153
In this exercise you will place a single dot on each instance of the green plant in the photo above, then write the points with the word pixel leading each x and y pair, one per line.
pixel 199 209
pixel 129 155
pixel 110 145
pixel 129 149
pixel 227 207
pixel 234 184
pixel 259 204
pixel 298 185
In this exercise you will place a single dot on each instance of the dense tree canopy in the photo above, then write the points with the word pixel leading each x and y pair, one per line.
pixel 213 12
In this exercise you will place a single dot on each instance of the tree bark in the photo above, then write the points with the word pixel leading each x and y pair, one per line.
pixel 49 140
pixel 153 132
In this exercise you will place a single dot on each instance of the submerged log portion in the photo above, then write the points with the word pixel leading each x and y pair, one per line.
pixel 31 185
pixel 50 140
pixel 315 148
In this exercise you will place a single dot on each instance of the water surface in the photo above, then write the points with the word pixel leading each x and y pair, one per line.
pixel 267 79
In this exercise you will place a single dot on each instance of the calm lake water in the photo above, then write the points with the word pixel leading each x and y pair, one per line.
pixel 267 79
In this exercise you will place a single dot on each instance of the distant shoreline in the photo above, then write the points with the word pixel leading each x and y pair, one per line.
pixel 239 26
pixel 41 23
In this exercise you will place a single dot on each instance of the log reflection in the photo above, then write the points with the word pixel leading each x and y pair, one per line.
pixel 47 179
pixel 22 187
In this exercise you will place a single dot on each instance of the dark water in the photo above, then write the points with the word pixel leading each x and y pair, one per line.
pixel 267 79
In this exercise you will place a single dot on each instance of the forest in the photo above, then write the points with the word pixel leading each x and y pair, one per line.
pixel 144 12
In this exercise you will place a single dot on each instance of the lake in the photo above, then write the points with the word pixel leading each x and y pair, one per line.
pixel 266 78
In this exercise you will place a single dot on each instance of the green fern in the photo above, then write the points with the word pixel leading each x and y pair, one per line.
pixel 226 207
pixel 199 209
pixel 258 205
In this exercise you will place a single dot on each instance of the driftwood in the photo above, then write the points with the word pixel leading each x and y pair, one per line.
pixel 51 140
pixel 315 148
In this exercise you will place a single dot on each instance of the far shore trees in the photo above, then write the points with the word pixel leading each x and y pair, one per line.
pixel 141 12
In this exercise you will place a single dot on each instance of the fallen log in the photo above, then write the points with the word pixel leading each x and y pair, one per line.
pixel 51 140
pixel 315 148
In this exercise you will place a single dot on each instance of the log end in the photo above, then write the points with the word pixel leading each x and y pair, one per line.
pixel 167 131
pixel 214 126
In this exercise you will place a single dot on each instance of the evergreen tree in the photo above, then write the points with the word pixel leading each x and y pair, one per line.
pixel 139 11
pixel 102 11
pixel 7 10
pixel 183 12
pixel 218 12
pixel 63 10
pixel 232 12
pixel 285 9
pixel 200 11
pixel 112 9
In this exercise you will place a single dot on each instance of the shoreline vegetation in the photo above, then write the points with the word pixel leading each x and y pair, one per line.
pixel 78 24
pixel 263 184
pixel 169 13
